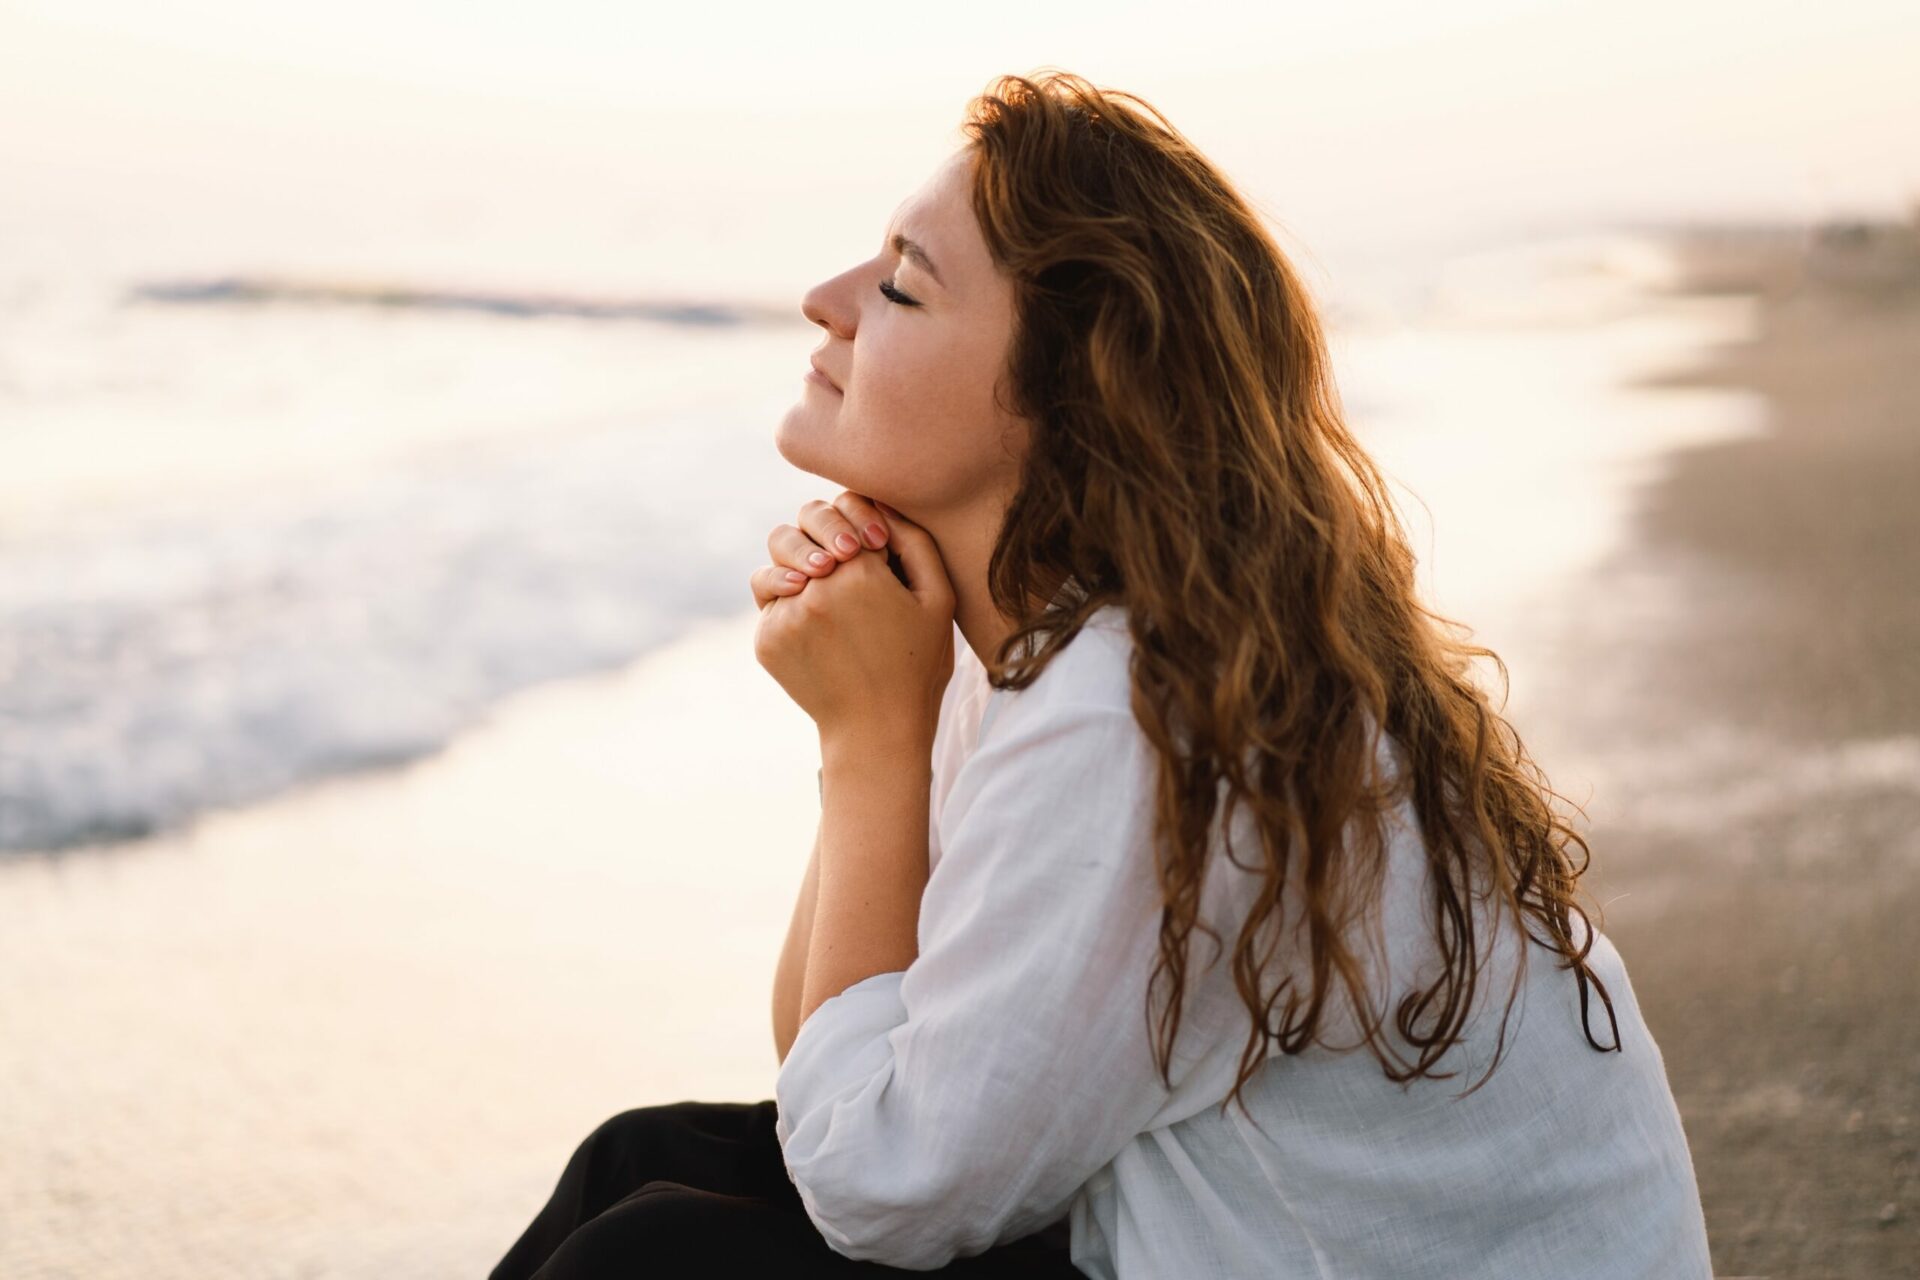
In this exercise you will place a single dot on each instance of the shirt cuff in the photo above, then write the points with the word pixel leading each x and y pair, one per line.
pixel 836 1054
pixel 840 1046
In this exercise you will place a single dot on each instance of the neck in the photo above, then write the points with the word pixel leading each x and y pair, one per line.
pixel 966 544
pixel 965 539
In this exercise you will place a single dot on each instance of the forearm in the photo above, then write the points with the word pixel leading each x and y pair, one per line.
pixel 873 862
pixel 793 958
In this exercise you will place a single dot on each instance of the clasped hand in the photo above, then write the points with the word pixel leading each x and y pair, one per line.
pixel 865 652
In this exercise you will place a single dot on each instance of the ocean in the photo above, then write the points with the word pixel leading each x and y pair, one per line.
pixel 257 529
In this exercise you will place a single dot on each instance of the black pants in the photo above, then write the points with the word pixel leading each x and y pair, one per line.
pixel 699 1189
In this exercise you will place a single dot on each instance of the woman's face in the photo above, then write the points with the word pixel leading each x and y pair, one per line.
pixel 913 422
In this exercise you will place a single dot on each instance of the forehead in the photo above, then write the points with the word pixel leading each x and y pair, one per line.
pixel 939 216
pixel 944 193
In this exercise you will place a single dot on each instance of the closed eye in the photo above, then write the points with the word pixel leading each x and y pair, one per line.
pixel 894 295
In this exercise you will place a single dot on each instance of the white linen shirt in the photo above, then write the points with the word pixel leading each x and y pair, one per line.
pixel 1005 1078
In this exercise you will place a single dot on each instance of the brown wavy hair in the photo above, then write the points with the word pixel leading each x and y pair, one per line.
pixel 1190 460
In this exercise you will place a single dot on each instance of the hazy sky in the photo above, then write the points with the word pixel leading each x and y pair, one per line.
pixel 775 126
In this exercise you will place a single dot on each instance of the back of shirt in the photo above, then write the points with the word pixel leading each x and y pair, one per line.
pixel 1340 1171
pixel 1005 1077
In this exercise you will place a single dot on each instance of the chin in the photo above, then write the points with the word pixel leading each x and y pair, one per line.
pixel 799 441
pixel 790 437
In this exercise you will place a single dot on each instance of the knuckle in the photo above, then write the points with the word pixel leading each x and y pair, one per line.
pixel 862 512
pixel 793 551
pixel 830 516
pixel 825 522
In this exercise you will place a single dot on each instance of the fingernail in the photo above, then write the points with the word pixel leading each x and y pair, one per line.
pixel 876 534
pixel 846 543
pixel 820 559
pixel 794 575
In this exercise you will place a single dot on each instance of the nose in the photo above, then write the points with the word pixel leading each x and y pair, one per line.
pixel 829 304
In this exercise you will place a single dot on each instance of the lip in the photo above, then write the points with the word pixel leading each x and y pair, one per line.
pixel 816 374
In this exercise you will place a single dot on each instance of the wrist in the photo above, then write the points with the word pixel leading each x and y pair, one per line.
pixel 893 748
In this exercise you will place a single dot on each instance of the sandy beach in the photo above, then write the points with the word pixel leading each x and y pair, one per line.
pixel 1746 688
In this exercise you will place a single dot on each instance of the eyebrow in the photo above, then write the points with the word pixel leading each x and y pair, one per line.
pixel 908 249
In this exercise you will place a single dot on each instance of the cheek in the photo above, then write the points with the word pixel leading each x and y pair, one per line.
pixel 923 422
pixel 933 382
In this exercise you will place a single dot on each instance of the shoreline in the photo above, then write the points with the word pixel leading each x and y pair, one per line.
pixel 359 1027
pixel 1759 711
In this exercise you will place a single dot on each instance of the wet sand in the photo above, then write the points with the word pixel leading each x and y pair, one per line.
pixel 357 1030
pixel 1745 690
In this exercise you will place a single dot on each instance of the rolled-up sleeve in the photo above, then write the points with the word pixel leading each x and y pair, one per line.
pixel 936 1111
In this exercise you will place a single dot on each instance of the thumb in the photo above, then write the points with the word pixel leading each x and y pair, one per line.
pixel 920 557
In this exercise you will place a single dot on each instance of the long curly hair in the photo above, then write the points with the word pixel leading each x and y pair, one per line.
pixel 1190 460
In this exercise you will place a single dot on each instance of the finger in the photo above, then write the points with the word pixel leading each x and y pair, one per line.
pixel 771 581
pixel 925 569
pixel 864 512
pixel 793 549
pixel 827 525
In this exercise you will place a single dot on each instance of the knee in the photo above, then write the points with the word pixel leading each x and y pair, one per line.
pixel 675 1218
pixel 626 1129
pixel 670 1140
pixel 660 1225
pixel 647 1139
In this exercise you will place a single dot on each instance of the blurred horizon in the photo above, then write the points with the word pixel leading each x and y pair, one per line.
pixel 501 145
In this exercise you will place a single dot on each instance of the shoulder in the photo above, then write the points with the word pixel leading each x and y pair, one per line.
pixel 1073 701
pixel 1092 671
pixel 1083 694
pixel 1061 764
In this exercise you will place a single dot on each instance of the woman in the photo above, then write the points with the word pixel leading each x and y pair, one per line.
pixel 1083 411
